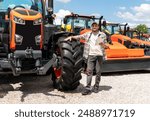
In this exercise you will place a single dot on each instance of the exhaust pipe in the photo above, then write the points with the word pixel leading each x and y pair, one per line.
pixel 51 5
pixel 100 23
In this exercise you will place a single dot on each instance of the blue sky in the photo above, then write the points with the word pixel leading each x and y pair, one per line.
pixel 131 11
pixel 124 11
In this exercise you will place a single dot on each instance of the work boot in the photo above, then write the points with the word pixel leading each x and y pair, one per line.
pixel 95 89
pixel 86 91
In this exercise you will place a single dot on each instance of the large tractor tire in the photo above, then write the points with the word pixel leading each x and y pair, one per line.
pixel 71 65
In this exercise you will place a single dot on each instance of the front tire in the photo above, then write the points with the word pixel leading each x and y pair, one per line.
pixel 71 64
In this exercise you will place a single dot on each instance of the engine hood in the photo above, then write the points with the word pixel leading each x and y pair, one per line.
pixel 25 14
pixel 140 41
pixel 115 37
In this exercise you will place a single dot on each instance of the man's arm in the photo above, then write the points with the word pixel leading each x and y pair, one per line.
pixel 102 41
pixel 104 45
pixel 77 37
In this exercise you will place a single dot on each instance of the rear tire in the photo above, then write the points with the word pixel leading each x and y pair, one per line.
pixel 71 67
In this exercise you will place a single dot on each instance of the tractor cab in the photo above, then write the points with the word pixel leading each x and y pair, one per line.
pixel 116 32
pixel 76 23
pixel 112 28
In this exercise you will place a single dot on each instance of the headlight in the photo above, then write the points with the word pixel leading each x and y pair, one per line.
pixel 19 20
pixel 37 21
pixel 18 39
pixel 38 39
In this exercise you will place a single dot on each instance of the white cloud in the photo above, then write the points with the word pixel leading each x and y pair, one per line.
pixel 122 8
pixel 60 15
pixel 64 1
pixel 136 14
pixel 143 8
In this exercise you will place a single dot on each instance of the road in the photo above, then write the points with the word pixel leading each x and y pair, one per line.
pixel 115 88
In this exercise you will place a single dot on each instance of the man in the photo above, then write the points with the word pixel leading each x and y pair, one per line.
pixel 94 46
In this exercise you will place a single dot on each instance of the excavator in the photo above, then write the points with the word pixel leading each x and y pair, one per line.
pixel 121 56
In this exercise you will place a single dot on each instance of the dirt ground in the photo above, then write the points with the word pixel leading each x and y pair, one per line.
pixel 115 88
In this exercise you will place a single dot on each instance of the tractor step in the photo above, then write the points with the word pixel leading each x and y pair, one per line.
pixel 3 55
pixel 1 47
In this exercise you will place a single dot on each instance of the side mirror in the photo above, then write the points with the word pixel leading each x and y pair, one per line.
pixel 34 7
pixel 104 23
pixel 65 21
pixel 128 28
pixel 50 10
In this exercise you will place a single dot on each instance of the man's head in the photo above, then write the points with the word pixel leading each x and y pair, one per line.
pixel 95 27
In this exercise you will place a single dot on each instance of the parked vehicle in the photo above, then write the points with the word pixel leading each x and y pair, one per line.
pixel 30 43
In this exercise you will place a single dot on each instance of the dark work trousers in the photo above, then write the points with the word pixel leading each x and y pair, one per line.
pixel 94 62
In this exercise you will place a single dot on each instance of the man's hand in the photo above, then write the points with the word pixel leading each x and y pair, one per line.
pixel 106 47
pixel 69 38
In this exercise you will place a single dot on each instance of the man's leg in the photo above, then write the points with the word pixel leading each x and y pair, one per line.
pixel 90 67
pixel 98 73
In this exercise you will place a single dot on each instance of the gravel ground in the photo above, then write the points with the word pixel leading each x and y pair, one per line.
pixel 116 88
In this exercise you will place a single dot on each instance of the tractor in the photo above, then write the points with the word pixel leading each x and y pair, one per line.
pixel 139 39
pixel 132 38
pixel 31 44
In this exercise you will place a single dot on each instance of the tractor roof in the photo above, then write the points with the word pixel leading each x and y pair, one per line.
pixel 81 16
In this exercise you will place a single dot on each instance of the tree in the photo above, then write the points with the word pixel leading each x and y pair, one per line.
pixel 142 28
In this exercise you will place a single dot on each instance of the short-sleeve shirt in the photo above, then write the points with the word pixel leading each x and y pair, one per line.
pixel 94 40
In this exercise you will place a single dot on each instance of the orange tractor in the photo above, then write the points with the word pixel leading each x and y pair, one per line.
pixel 140 40
pixel 30 43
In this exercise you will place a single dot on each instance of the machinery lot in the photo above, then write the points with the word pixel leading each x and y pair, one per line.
pixel 116 88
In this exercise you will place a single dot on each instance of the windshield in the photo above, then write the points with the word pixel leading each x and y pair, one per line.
pixel 113 29
pixel 80 22
pixel 5 4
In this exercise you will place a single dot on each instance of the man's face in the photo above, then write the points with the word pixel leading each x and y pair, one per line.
pixel 95 27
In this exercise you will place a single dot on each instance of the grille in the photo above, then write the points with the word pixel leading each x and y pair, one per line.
pixel 28 32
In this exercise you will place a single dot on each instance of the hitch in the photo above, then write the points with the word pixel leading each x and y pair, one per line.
pixel 29 52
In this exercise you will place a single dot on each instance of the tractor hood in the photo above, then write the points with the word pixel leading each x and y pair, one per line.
pixel 115 37
pixel 25 14
pixel 140 42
